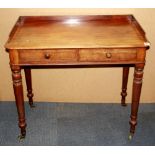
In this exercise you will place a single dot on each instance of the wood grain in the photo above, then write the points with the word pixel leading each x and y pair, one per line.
pixel 76 32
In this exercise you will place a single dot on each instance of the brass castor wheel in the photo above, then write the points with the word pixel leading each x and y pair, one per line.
pixel 130 136
pixel 21 137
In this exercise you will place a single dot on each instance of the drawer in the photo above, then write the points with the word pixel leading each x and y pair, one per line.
pixel 107 55
pixel 47 56
pixel 76 56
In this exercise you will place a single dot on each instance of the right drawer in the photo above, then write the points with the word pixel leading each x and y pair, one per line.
pixel 107 55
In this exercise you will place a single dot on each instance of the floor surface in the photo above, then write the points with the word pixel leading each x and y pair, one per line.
pixel 61 124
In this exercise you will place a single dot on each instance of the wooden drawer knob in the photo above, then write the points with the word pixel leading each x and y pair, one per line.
pixel 47 56
pixel 108 55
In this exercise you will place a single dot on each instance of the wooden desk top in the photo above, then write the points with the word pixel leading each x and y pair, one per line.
pixel 49 32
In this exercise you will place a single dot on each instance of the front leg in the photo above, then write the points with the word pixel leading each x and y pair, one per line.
pixel 18 92
pixel 137 84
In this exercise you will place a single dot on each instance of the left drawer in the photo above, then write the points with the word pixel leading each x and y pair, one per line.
pixel 47 56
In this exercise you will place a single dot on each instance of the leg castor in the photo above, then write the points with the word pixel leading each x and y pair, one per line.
pixel 21 137
pixel 23 134
pixel 130 136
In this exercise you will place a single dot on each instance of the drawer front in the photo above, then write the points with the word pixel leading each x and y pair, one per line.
pixel 47 56
pixel 107 55
pixel 74 56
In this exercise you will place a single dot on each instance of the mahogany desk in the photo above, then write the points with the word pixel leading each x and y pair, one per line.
pixel 76 41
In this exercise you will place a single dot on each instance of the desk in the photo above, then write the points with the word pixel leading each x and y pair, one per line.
pixel 76 41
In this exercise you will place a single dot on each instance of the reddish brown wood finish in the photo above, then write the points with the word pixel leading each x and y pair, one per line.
pixel 136 91
pixel 77 56
pixel 29 85
pixel 81 41
pixel 18 91
pixel 124 84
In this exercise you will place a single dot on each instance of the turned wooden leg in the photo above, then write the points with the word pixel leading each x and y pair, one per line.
pixel 137 84
pixel 29 85
pixel 124 85
pixel 18 91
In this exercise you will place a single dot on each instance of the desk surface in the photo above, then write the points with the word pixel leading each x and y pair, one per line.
pixel 45 32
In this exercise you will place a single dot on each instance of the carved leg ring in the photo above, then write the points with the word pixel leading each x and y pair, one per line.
pixel 137 84
pixel 18 91
pixel 124 85
pixel 29 86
